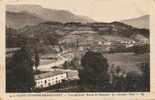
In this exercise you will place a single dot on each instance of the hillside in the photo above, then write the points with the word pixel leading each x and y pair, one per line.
pixel 19 20
pixel 44 14
pixel 52 26
pixel 55 33
pixel 139 22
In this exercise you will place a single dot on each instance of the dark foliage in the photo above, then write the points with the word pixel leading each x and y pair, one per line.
pixel 37 58
pixel 146 76
pixel 13 39
pixel 140 49
pixel 118 29
pixel 73 64
pixel 131 81
pixel 95 70
pixel 19 72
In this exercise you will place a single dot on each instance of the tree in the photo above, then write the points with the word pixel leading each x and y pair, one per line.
pixel 134 82
pixel 37 59
pixel 19 73
pixel 65 65
pixel 145 67
pixel 95 70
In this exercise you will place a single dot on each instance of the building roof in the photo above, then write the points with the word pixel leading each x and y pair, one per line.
pixel 47 74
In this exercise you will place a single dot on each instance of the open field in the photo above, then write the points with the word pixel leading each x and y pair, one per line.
pixel 127 61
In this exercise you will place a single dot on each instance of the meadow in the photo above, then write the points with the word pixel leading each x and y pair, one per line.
pixel 128 61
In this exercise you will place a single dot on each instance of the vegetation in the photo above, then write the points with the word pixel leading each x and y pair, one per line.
pixel 95 71
pixel 73 64
pixel 129 81
pixel 19 72
pixel 140 49
pixel 13 39
pixel 37 59
pixel 145 67
pixel 96 76
pixel 50 33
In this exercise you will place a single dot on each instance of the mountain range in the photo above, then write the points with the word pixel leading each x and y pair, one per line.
pixel 18 16
pixel 50 24
pixel 34 14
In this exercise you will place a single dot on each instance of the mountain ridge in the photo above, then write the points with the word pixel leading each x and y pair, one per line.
pixel 64 16
pixel 22 19
pixel 138 22
pixel 49 14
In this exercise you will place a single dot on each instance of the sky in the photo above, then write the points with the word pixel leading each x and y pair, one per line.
pixel 100 10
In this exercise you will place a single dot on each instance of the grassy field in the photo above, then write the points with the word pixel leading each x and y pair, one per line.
pixel 127 61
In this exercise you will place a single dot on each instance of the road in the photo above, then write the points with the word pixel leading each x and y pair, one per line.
pixel 46 67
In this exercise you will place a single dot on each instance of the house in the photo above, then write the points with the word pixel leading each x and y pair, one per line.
pixel 49 79
pixel 128 42
pixel 108 43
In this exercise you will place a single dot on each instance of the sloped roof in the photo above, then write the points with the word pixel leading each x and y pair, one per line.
pixel 47 74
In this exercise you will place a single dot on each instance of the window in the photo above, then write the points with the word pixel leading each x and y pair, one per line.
pixel 45 81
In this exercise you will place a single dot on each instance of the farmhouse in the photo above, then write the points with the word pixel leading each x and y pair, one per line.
pixel 49 78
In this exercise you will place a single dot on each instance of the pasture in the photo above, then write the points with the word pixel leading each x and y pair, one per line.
pixel 128 61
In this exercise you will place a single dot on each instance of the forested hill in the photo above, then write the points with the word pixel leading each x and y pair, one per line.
pixel 49 31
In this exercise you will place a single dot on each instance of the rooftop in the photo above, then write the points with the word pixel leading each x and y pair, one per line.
pixel 47 74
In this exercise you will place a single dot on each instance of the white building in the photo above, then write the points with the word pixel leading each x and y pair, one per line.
pixel 108 43
pixel 49 79
pixel 129 45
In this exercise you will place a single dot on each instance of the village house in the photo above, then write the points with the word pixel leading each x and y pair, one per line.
pixel 49 79
pixel 128 43
pixel 107 43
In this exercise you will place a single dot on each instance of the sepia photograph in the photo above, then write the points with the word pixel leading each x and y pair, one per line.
pixel 77 48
